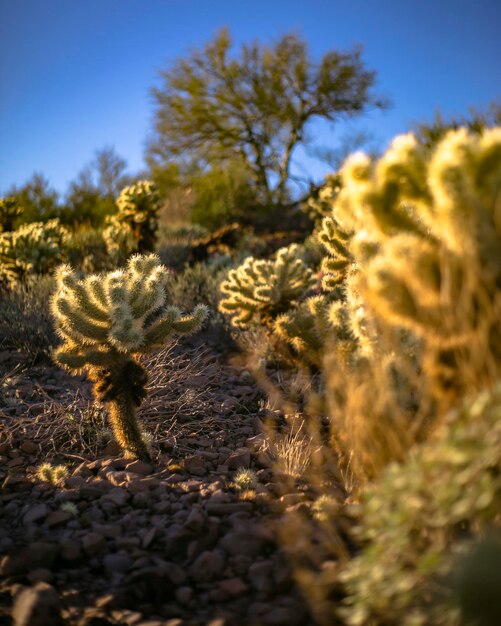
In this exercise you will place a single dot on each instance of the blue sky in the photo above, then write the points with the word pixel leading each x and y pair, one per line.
pixel 75 75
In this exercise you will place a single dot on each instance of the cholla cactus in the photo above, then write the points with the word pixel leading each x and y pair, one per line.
pixel 138 206
pixel 118 238
pixel 319 204
pixel 259 290
pixel 9 210
pixel 31 249
pixel 53 474
pixel 336 242
pixel 417 517
pixel 309 327
pixel 428 239
pixel 105 321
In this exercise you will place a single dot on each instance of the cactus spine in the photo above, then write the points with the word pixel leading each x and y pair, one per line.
pixel 106 321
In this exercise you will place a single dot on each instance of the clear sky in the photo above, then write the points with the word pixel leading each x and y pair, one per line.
pixel 75 75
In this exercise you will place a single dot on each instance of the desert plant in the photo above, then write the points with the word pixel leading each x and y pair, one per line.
pixel 9 211
pixel 138 207
pixel 245 479
pixel 425 238
pixel 34 248
pixel 259 290
pixel 53 474
pixel 106 321
pixel 418 516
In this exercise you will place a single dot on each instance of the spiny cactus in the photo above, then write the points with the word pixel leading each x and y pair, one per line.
pixel 138 207
pixel 9 210
pixel 53 474
pixel 337 243
pixel 311 326
pixel 259 290
pixel 427 240
pixel 118 238
pixel 417 517
pixel 106 321
pixel 319 204
pixel 31 249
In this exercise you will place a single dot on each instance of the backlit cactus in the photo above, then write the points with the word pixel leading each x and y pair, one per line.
pixel 336 264
pixel 259 290
pixel 106 321
pixel 138 206
pixel 311 326
pixel 33 248
pixel 425 241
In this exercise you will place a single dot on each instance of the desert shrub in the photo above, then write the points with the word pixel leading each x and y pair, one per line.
pixel 25 321
pixel 418 516
pixel 34 248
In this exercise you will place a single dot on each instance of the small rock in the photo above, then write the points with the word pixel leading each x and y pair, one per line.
pixel 29 447
pixel 117 563
pixel 208 566
pixel 195 465
pixel 184 595
pixel 117 495
pixel 139 467
pixel 40 575
pixel 38 512
pixel 93 543
pixel 239 458
pixel 37 606
pixel 233 586
pixel 242 539
pixel 34 556
pixel 58 517
pixel 228 508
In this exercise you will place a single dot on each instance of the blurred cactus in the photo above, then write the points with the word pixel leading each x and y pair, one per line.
pixel 33 248
pixel 426 239
pixel 9 210
pixel 138 206
pixel 319 204
pixel 337 244
pixel 416 517
pixel 310 328
pixel 105 321
pixel 118 238
pixel 259 290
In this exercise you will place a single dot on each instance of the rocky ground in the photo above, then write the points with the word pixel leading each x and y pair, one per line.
pixel 123 542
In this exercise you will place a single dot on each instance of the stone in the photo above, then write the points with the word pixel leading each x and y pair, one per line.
pixel 40 575
pixel 93 543
pixel 239 458
pixel 29 447
pixel 35 514
pixel 228 508
pixel 139 467
pixel 195 465
pixel 184 595
pixel 117 563
pixel 242 539
pixel 233 587
pixel 260 575
pixel 37 606
pixel 207 566
pixel 36 555
pixel 57 518
pixel 117 495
